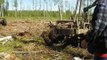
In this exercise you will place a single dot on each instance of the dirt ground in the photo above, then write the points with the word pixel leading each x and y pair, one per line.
pixel 33 29
pixel 15 27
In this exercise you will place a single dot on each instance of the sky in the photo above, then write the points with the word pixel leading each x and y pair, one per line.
pixel 27 5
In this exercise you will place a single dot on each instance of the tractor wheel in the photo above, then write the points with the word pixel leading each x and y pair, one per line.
pixel 45 36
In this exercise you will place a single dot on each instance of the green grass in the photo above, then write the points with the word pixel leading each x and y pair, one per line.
pixel 31 18
pixel 9 46
pixel 37 15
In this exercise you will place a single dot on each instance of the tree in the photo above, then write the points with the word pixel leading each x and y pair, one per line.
pixel 60 7
pixel 1 7
pixel 33 4
pixel 15 5
pixel 20 8
pixel 46 8
pixel 6 7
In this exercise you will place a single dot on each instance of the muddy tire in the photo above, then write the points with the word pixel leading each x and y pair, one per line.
pixel 45 36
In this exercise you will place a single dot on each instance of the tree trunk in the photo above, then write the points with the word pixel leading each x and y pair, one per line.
pixel 60 13
pixel 15 12
pixel 60 7
pixel 1 11
pixel 75 12
pixel 20 8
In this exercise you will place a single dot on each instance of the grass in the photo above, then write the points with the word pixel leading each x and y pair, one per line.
pixel 34 18
pixel 47 52
pixel 27 18
pixel 9 46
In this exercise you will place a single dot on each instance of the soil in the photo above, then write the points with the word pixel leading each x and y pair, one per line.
pixel 30 30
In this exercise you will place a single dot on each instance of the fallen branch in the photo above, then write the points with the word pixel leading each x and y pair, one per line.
pixel 6 39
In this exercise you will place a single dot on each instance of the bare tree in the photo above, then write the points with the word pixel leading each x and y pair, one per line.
pixel 15 5
pixel 60 7
pixel 1 7
pixel 20 8
pixel 33 6
pixel 6 7
pixel 46 7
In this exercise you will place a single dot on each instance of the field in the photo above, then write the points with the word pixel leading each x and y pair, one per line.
pixel 22 38
pixel 28 45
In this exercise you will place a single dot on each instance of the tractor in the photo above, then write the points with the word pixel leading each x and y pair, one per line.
pixel 65 32
pixel 62 33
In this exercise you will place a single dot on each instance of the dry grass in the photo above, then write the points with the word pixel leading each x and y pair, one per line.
pixel 31 30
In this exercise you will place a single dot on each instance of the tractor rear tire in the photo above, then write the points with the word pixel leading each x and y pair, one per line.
pixel 45 36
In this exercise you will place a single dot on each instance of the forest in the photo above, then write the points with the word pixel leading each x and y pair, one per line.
pixel 43 9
